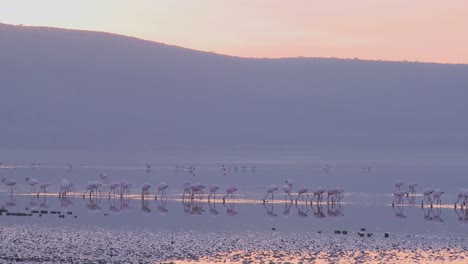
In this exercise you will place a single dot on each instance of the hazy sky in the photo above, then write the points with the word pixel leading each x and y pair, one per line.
pixel 422 30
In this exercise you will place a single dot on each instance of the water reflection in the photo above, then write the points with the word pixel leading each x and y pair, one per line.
pixel 66 201
pixel 287 207
pixel 43 202
pixel 92 204
pixel 302 210
pixel 398 209
pixel 114 205
pixel 213 210
pixel 161 203
pixel 462 215
pixel 230 209
pixel 10 203
pixel 33 203
pixel 269 208
pixel 318 210
pixel 145 205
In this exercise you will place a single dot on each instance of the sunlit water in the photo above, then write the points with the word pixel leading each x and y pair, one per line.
pixel 367 202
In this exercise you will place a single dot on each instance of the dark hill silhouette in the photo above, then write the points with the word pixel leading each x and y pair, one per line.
pixel 79 89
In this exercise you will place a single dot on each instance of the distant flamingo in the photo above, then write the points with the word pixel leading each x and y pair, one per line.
pixel 230 193
pixel 33 183
pixel 270 190
pixel 462 195
pixel 187 189
pixel 398 194
pixel 145 189
pixel 42 188
pixel 213 190
pixel 287 188
pixel 318 193
pixel 411 189
pixel 10 183
pixel 124 187
pixel 339 194
pixel 114 188
pixel 427 193
pixel 104 178
pixel 398 185
pixel 436 196
pixel 301 192
pixel 331 193
pixel 197 189
pixel 161 189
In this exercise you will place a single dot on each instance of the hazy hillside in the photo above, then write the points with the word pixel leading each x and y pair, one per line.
pixel 63 88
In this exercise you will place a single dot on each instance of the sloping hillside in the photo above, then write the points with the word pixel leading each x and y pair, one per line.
pixel 77 89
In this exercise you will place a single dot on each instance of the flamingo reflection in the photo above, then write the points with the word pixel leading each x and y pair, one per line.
pixel 114 205
pixel 66 201
pixel 269 208
pixel 11 203
pixel 92 203
pixel 145 205
pixel 212 206
pixel 230 209
pixel 162 206
pixel 462 215
pixel 287 207
pixel 318 210
pixel 398 209
pixel 302 210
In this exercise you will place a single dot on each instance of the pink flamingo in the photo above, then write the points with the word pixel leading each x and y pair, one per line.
pixel 462 195
pixel 301 192
pixel 145 189
pixel 213 190
pixel 10 183
pixel 318 192
pixel 427 193
pixel 270 190
pixel 161 189
pixel 230 192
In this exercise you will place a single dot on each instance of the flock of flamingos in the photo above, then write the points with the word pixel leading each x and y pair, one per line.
pixel 193 191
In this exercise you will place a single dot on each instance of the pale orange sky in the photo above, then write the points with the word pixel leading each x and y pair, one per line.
pixel 413 30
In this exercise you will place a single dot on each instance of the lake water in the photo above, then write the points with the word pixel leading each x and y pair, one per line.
pixel 367 201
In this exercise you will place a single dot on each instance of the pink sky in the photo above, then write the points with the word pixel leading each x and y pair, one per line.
pixel 413 30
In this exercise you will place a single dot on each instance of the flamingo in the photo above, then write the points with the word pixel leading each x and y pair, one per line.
pixel 462 195
pixel 427 193
pixel 270 190
pixel 42 188
pixel 287 189
pixel 10 183
pixel 339 194
pixel 411 189
pixel 124 187
pixel 399 197
pixel 301 192
pixel 161 189
pixel 436 196
pixel 331 193
pixel 213 190
pixel 104 178
pixel 33 183
pixel 187 189
pixel 64 188
pixel 318 192
pixel 92 186
pixel 230 192
pixel 113 187
pixel 197 189
pixel 145 189
pixel 398 185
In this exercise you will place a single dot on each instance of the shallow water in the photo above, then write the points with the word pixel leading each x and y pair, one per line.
pixel 367 203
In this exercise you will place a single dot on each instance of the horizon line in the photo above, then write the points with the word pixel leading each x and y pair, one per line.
pixel 237 56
